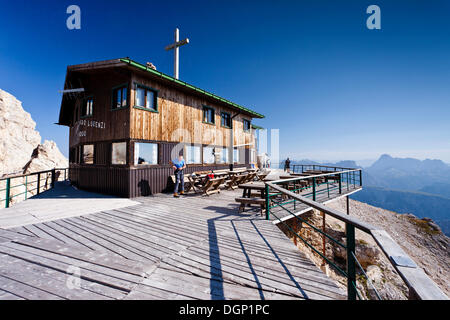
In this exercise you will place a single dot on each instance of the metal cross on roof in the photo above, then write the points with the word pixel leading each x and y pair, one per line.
pixel 175 46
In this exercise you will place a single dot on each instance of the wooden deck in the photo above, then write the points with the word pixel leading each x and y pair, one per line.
pixel 162 248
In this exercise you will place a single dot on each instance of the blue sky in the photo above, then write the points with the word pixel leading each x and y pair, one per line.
pixel 335 89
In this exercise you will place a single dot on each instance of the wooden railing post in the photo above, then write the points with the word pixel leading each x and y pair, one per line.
pixel 38 183
pixel 340 183
pixel 26 187
pixel 314 189
pixel 8 192
pixel 267 203
pixel 351 268
pixel 348 206
pixel 324 242
pixel 52 184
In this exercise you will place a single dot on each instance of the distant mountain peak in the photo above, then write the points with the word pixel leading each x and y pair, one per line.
pixel 385 156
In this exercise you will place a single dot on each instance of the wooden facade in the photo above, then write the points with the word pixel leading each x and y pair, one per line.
pixel 174 122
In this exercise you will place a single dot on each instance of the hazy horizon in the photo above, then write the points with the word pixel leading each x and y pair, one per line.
pixel 361 162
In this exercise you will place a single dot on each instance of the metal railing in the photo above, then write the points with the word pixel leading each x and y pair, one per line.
pixel 300 168
pixel 30 184
pixel 317 185
pixel 285 193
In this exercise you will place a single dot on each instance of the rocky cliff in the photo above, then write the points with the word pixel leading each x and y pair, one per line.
pixel 21 150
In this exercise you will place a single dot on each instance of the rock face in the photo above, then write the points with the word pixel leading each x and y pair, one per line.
pixel 18 135
pixel 45 156
pixel 21 150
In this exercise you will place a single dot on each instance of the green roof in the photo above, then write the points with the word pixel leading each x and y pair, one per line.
pixel 187 85
pixel 254 126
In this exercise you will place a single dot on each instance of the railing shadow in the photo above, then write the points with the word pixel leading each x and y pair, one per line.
pixel 216 273
pixel 216 280
pixel 298 286
pixel 260 291
pixel 216 268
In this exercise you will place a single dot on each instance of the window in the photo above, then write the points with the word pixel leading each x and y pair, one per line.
pixel 208 155
pixel 208 115
pixel 246 125
pixel 88 154
pixel 192 154
pixel 236 155
pixel 223 155
pixel 88 107
pixel 226 120
pixel 145 153
pixel 120 97
pixel 146 98
pixel 119 153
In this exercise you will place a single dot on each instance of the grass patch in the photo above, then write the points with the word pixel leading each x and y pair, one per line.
pixel 424 226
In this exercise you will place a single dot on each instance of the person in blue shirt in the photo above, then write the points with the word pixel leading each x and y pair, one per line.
pixel 178 166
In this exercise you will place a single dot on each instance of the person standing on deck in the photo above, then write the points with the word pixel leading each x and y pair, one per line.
pixel 178 166
pixel 287 165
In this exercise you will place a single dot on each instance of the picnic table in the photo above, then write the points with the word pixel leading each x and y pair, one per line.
pixel 253 186
pixel 247 198
pixel 222 174
pixel 234 172
pixel 193 182
pixel 204 185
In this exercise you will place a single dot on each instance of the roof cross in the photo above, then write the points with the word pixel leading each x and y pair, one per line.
pixel 175 46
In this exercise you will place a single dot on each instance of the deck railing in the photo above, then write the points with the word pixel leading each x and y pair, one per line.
pixel 30 184
pixel 340 181
pixel 419 284
pixel 300 168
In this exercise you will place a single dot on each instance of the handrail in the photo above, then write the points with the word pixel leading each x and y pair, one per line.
pixel 332 212
pixel 13 176
pixel 332 173
pixel 49 182
pixel 320 166
pixel 419 284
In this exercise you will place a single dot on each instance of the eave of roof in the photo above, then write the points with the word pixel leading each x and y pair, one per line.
pixel 254 126
pixel 189 86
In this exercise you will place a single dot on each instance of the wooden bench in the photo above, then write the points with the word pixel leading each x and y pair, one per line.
pixel 212 186
pixel 245 201
pixel 235 181
pixel 262 176
pixel 250 177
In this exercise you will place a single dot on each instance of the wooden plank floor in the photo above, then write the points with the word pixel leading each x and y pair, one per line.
pixel 163 248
